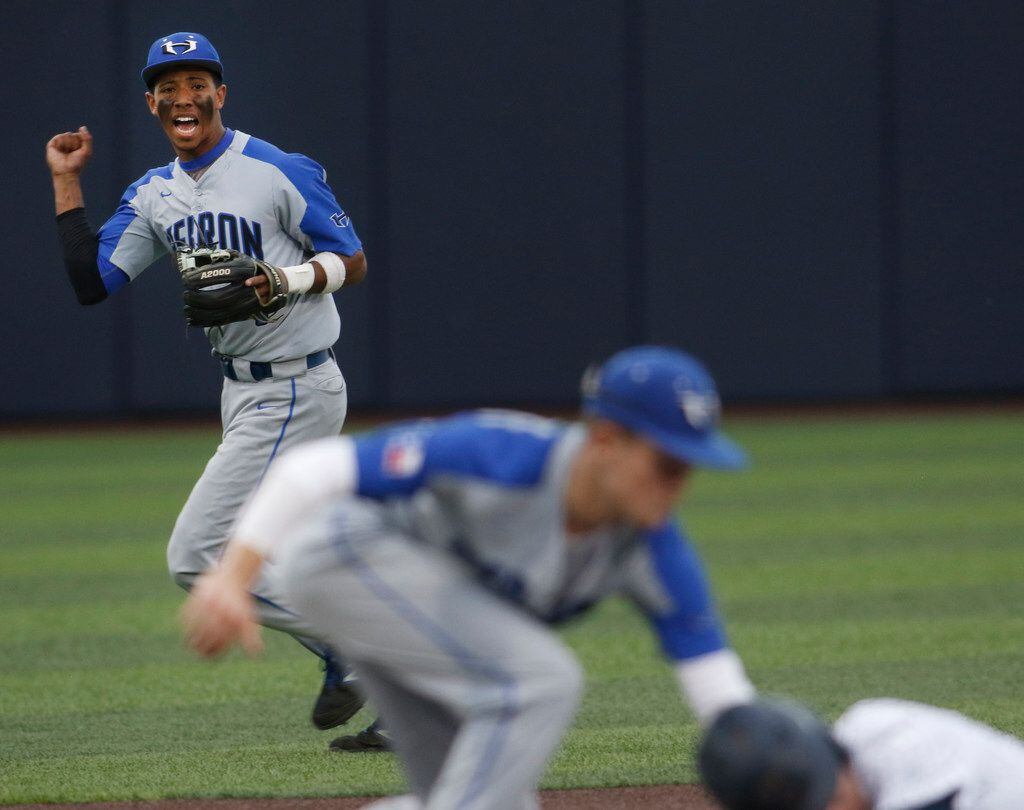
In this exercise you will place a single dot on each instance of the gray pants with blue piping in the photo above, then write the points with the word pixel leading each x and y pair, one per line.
pixel 261 419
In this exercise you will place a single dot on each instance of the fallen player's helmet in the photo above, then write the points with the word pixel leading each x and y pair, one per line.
pixel 770 755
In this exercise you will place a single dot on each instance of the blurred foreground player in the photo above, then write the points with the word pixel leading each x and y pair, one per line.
pixel 435 554
pixel 882 754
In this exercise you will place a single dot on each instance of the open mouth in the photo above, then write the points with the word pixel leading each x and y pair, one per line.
pixel 185 125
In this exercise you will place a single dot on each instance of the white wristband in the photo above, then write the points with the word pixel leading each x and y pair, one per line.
pixel 300 277
pixel 334 267
pixel 713 682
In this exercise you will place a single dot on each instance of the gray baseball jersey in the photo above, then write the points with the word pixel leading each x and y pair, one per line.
pixel 250 197
pixel 910 755
pixel 434 555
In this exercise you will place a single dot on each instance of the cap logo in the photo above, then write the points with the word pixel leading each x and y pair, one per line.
pixel 171 48
pixel 640 373
pixel 700 409
pixel 591 382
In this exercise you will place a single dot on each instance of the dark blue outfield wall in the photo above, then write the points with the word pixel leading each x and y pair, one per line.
pixel 822 199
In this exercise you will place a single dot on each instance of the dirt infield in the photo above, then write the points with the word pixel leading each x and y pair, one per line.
pixel 682 797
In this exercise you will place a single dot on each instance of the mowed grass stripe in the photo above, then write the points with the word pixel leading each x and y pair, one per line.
pixel 269 720
pixel 253 770
pixel 91 651
pixel 884 639
pixel 880 571
pixel 118 448
pixel 184 683
pixel 66 589
pixel 785 536
pixel 873 483
pixel 152 516
pixel 156 614
pixel 832 687
pixel 653 753
pixel 991 600
pixel 923 436
pixel 115 556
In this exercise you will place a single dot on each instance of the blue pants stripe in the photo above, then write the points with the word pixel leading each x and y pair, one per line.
pixel 284 427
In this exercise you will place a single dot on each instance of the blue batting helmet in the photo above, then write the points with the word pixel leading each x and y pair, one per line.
pixel 669 398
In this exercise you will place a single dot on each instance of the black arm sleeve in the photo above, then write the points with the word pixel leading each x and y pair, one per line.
pixel 81 247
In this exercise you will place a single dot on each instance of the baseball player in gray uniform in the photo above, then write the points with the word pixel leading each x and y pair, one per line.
pixel 881 754
pixel 434 555
pixel 282 385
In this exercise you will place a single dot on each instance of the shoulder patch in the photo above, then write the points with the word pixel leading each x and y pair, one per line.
pixel 403 455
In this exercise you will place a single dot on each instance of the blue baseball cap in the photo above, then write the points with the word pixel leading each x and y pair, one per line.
pixel 669 398
pixel 181 50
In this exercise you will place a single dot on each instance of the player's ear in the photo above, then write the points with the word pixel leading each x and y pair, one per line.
pixel 151 101
pixel 221 94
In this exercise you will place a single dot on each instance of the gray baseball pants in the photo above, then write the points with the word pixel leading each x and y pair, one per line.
pixel 476 693
pixel 261 420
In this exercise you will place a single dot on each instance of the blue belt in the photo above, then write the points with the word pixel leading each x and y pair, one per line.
pixel 264 371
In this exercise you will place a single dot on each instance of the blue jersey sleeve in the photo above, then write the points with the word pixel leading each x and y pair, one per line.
pixel 127 244
pixel 323 225
pixel 508 450
pixel 690 625
pixel 110 234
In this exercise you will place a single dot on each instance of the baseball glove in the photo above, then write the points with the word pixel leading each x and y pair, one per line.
pixel 215 292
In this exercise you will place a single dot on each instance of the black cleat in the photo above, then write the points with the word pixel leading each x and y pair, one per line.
pixel 371 738
pixel 337 701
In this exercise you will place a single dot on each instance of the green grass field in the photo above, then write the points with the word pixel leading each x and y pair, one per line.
pixel 861 556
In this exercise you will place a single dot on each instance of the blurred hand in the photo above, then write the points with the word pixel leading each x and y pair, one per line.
pixel 67 153
pixel 219 613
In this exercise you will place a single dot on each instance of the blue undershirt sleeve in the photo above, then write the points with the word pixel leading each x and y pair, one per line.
pixel 690 626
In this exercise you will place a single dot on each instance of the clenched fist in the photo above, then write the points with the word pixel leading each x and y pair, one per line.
pixel 68 152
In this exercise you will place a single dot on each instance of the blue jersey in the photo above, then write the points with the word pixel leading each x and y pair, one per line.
pixel 251 197
pixel 488 487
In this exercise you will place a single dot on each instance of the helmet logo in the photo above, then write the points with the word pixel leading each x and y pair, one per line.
pixel 591 382
pixel 701 409
pixel 171 48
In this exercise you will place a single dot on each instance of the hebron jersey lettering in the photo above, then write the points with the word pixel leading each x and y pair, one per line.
pixel 211 229
pixel 254 198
